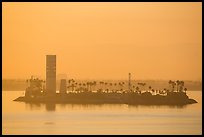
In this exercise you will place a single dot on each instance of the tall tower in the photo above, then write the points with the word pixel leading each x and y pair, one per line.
pixel 129 81
pixel 51 74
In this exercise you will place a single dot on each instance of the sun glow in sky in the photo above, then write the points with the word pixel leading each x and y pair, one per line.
pixel 103 40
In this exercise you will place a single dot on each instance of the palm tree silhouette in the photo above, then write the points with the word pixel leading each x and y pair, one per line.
pixel 185 89
pixel 72 86
pixel 153 91
pixel 181 86
pixel 137 89
pixel 120 85
pixel 170 85
pixel 115 84
pixel 76 84
pixel 94 84
pixel 69 84
pixel 164 91
pixel 150 88
pixel 133 88
pixel 173 85
pixel 177 84
pixel 110 84
pixel 87 84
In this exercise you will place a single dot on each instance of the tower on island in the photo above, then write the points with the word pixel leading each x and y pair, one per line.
pixel 63 86
pixel 50 74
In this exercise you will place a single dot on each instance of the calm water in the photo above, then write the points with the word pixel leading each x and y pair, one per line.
pixel 22 118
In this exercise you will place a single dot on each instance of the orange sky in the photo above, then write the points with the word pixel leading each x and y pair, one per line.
pixel 103 40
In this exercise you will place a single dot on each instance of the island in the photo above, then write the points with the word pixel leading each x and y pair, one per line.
pixel 36 93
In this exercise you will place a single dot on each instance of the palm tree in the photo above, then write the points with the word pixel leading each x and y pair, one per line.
pixel 94 84
pixel 164 91
pixel 105 84
pixel 69 83
pixel 110 87
pixel 72 87
pixel 153 91
pixel 137 89
pixel 115 84
pixel 102 83
pixel 181 86
pixel 91 84
pixel 173 86
pixel 144 84
pixel 170 84
pixel 107 90
pixel 87 84
pixel 177 83
pixel 133 88
pixel 76 84
pixel 185 89
pixel 73 80
pixel 150 88
pixel 156 91
pixel 120 85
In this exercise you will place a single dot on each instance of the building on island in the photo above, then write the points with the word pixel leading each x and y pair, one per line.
pixel 50 74
pixel 63 86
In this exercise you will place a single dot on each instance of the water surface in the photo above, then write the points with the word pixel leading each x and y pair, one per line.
pixel 24 118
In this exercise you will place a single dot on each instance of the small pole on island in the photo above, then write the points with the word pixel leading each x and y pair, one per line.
pixel 129 82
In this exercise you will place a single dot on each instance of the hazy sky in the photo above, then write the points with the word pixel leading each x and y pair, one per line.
pixel 103 40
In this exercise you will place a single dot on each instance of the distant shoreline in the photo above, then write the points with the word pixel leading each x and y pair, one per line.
pixel 24 90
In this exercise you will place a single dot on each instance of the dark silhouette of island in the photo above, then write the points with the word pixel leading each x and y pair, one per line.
pixel 36 93
pixel 106 93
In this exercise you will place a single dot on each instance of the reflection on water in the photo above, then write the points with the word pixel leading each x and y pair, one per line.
pixel 39 118
pixel 52 106
pixel 49 123
pixel 37 106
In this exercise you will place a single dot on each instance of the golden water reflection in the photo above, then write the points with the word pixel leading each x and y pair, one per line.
pixel 29 118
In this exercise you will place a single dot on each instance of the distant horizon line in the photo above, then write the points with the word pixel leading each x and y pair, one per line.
pixel 108 79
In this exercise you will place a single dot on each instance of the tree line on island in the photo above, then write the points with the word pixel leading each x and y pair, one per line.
pixel 108 92
pixel 121 87
pixel 116 87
